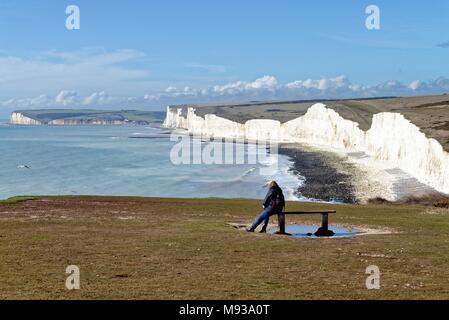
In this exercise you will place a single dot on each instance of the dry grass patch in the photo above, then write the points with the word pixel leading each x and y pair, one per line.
pixel 183 249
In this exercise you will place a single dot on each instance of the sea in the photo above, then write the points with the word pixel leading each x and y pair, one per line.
pixel 124 161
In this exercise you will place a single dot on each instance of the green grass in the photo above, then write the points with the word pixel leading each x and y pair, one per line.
pixel 18 199
pixel 152 248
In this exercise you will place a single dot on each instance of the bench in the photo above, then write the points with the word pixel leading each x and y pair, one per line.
pixel 323 231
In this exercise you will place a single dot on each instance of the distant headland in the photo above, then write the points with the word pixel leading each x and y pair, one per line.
pixel 84 117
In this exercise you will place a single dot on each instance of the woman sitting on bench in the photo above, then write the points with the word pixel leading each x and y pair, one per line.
pixel 273 203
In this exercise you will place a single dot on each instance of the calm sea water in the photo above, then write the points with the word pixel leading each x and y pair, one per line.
pixel 104 160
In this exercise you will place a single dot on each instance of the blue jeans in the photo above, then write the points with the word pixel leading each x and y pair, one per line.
pixel 263 217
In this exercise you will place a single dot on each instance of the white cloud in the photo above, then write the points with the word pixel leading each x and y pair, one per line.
pixel 96 99
pixel 260 84
pixel 84 70
pixel 320 84
pixel 82 78
pixel 171 89
pixel 415 85
pixel 263 88
pixel 66 98
pixel 267 87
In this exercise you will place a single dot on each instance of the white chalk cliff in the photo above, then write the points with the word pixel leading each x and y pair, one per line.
pixel 19 118
pixel 391 137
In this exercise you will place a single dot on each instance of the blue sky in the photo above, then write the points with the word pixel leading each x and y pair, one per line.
pixel 151 53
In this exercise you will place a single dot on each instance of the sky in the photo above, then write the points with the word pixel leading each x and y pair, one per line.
pixel 148 54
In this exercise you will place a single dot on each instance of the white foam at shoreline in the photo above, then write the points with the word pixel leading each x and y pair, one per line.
pixel 391 138
pixel 289 181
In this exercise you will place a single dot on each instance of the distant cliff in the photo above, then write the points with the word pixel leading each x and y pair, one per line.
pixel 84 117
pixel 19 118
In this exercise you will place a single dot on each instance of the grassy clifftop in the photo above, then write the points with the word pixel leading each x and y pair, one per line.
pixel 429 113
pixel 46 116
pixel 152 248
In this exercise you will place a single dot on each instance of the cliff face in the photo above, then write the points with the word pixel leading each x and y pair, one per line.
pixel 391 137
pixel 19 118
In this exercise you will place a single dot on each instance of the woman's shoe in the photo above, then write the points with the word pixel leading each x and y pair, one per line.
pixel 264 229
pixel 249 229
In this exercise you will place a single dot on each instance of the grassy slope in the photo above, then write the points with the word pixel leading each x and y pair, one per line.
pixel 430 113
pixel 17 199
pixel 132 115
pixel 178 248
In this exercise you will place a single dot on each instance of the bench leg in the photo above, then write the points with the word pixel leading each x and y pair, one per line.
pixel 324 231
pixel 281 222
pixel 325 221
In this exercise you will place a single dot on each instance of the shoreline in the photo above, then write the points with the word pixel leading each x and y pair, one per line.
pixel 323 182
pixel 365 177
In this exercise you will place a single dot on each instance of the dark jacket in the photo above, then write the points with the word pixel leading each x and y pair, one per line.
pixel 275 200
